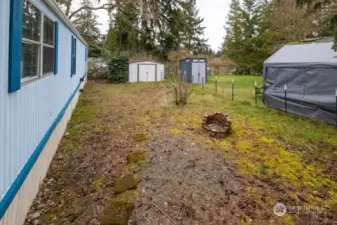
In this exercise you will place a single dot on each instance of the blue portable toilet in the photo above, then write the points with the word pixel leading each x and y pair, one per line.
pixel 194 70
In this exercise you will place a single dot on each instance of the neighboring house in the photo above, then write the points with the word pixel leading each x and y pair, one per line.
pixel 42 66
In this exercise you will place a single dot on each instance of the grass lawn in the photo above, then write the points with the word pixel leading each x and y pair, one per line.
pixel 184 175
pixel 243 87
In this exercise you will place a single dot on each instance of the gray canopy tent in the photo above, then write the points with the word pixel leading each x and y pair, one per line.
pixel 309 72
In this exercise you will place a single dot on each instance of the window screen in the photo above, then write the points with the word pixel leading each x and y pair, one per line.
pixel 30 59
pixel 48 60
pixel 48 46
pixel 31 21
pixel 48 31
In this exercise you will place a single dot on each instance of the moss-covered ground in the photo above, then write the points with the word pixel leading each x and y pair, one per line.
pixel 280 157
pixel 293 153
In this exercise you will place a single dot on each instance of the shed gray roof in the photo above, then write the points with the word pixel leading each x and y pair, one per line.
pixel 305 54
pixel 140 61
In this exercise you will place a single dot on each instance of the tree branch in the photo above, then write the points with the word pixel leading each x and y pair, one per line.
pixel 104 6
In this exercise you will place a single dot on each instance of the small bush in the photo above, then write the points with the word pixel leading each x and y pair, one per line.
pixel 182 90
pixel 118 68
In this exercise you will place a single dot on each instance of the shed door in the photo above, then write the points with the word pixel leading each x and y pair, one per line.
pixel 198 73
pixel 195 73
pixel 147 72
pixel 151 69
pixel 142 73
pixel 202 72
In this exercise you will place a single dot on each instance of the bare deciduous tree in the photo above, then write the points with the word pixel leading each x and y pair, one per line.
pixel 108 5
pixel 291 22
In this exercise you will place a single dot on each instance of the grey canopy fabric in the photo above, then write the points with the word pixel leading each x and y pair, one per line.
pixel 310 73
pixel 305 54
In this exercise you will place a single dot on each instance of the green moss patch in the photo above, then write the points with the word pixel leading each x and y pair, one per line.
pixel 128 182
pixel 96 185
pixel 139 137
pixel 175 131
pixel 117 213
pixel 137 157
pixel 266 158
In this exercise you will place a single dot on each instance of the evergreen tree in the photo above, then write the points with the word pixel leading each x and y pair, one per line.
pixel 251 18
pixel 246 42
pixel 233 42
pixel 256 29
pixel 156 28
pixel 169 23
pixel 87 25
pixel 123 32
pixel 193 29
pixel 126 24
pixel 112 43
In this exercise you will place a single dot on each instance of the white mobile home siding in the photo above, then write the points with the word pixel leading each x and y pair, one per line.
pixel 27 114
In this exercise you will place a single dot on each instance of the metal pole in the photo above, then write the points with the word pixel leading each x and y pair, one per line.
pixel 232 90
pixel 285 98
pixel 198 78
pixel 255 93
pixel 336 107
pixel 216 86
pixel 202 83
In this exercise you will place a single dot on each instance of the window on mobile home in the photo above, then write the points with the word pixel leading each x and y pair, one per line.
pixel 37 43
pixel 48 46
pixel 73 55
pixel 31 33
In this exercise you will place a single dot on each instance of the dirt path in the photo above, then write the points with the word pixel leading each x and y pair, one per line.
pixel 189 184
pixel 177 174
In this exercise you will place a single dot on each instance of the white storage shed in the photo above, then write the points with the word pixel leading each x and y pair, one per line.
pixel 146 71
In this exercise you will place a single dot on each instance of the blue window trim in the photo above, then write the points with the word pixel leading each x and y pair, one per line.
pixel 15 45
pixel 73 55
pixel 19 180
pixel 56 47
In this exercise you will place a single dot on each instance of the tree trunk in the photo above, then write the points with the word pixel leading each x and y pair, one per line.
pixel 68 6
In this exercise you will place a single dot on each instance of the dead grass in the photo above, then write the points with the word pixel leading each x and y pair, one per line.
pixel 279 157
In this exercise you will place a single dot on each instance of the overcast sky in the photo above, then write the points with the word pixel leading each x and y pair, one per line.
pixel 213 11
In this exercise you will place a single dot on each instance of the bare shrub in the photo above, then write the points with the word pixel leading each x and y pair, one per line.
pixel 172 67
pixel 97 69
pixel 170 70
pixel 182 89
